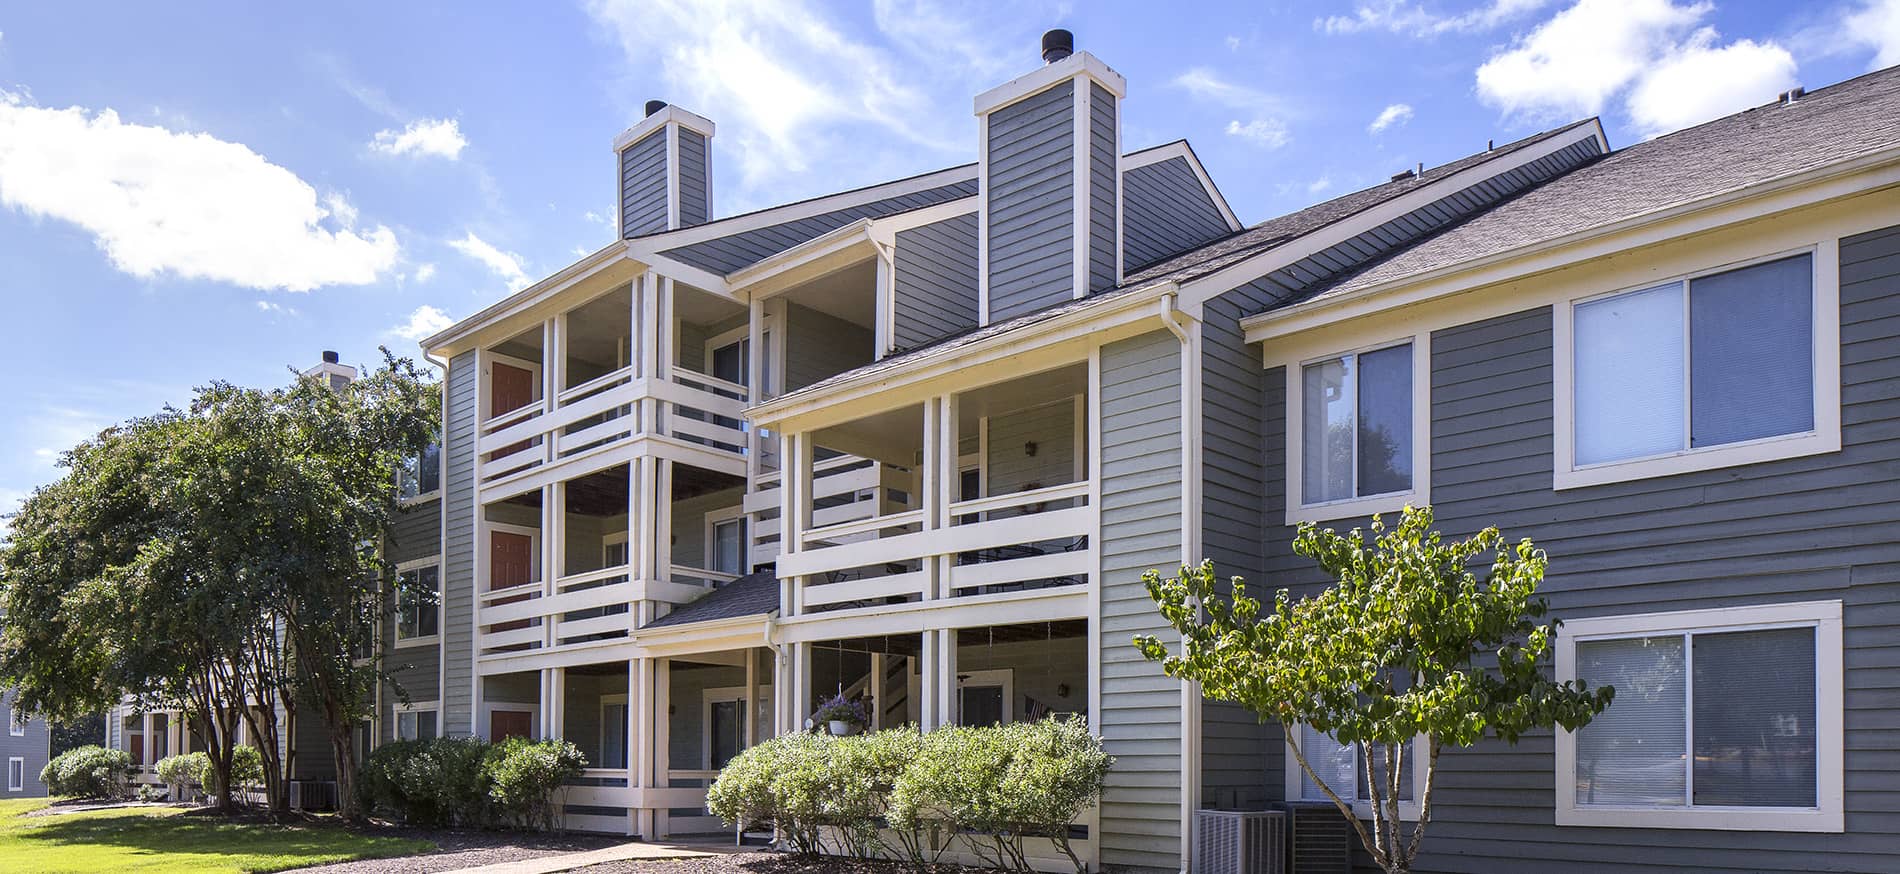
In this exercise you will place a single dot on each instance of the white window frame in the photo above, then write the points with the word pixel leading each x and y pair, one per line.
pixel 612 539
pixel 397 641
pixel 441 471
pixel 1826 363
pixel 16 727
pixel 490 708
pixel 626 726
pixel 398 710
pixel 1001 677
pixel 715 518
pixel 16 774
pixel 1419 495
pixel 1822 616
pixel 741 334
pixel 1361 807
pixel 761 713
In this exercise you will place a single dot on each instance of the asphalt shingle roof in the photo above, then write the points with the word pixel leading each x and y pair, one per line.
pixel 1825 126
pixel 1210 258
pixel 754 594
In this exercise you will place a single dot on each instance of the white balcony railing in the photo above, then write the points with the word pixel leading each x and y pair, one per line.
pixel 1037 537
pixel 693 408
pixel 582 607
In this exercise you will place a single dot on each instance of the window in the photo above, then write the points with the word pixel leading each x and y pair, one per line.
pixel 415 723
pixel 1361 436
pixel 728 546
pixel 1338 764
pixel 16 721
pixel 420 475
pixel 1727 718
pixel 418 603
pixel 1711 370
pixel 16 774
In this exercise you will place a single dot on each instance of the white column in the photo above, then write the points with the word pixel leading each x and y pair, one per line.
pixel 663 519
pixel 751 696
pixel 877 691
pixel 662 735
pixel 794 515
pixel 947 676
pixel 640 734
pixel 557 706
pixel 801 696
pixel 927 675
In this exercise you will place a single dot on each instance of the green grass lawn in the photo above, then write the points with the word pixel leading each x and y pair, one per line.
pixel 161 840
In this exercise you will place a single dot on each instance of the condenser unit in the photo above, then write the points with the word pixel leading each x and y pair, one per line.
pixel 1239 842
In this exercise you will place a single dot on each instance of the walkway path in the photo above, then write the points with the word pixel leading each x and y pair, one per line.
pixel 628 852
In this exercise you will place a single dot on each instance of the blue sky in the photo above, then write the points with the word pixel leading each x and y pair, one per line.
pixel 222 190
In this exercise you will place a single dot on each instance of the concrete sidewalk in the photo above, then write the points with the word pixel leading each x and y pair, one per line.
pixel 628 852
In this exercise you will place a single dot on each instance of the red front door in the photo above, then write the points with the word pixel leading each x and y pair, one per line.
pixel 504 724
pixel 510 564
pixel 510 388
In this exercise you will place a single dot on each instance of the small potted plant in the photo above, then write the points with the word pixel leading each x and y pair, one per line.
pixel 843 716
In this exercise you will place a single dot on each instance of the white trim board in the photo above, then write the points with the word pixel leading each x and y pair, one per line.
pixel 1352 340
pixel 1180 149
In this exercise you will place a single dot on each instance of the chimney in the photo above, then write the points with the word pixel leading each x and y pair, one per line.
pixel 334 374
pixel 665 164
pixel 1050 181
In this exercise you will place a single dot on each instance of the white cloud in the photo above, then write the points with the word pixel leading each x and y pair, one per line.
pixel 424 322
pixel 1233 43
pixel 1704 82
pixel 275 309
pixel 1671 69
pixel 182 204
pixel 1876 25
pixel 1319 185
pixel 1265 125
pixel 1397 113
pixel 1262 131
pixel 506 265
pixel 1399 16
pixel 425 273
pixel 440 137
pixel 781 79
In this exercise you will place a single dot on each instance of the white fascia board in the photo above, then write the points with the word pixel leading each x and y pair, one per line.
pixel 750 281
pixel 451 338
pixel 688 120
pixel 1181 149
pixel 1132 306
pixel 884 230
pixel 1042 78
pixel 777 215
pixel 1198 291
pixel 1754 201
pixel 697 277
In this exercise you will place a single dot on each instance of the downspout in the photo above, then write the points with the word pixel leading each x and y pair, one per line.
pixel 442 551
pixel 1182 327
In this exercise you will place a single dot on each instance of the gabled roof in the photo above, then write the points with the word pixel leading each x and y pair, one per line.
pixel 754 594
pixel 1261 239
pixel 1829 125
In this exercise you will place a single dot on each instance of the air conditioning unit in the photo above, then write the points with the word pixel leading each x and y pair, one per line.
pixel 1239 842
pixel 1321 838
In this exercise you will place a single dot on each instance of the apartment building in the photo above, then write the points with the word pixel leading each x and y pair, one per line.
pixel 916 442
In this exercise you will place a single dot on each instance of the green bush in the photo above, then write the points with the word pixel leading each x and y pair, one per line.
pixel 88 772
pixel 434 782
pixel 996 785
pixel 184 771
pixel 468 782
pixel 247 769
pixel 523 776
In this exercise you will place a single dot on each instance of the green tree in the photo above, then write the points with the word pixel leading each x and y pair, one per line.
pixel 1416 638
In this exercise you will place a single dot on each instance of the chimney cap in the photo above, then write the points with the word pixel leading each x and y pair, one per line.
pixel 1056 45
pixel 654 106
pixel 330 357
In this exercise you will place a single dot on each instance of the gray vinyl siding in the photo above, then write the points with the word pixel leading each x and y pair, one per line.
pixel 1141 491
pixel 458 557
pixel 1240 759
pixel 819 345
pixel 1104 174
pixel 1814 528
pixel 643 186
pixel 1010 467
pixel 417 532
pixel 695 179
pixel 313 758
pixel 415 672
pixel 1166 211
pixel 1031 192
pixel 726 254
pixel 934 278
pixel 33 748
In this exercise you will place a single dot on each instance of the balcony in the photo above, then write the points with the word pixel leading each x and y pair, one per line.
pixel 981 493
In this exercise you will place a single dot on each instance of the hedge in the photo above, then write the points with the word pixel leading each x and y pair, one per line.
pixel 468 781
pixel 88 772
pixel 886 792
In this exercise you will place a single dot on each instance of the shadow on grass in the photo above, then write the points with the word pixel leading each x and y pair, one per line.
pixel 276 847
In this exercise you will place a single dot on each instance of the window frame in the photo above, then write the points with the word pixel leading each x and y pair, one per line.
pixel 1825 364
pixel 398 710
pixel 1361 807
pixel 16 727
pixel 14 762
pixel 396 638
pixel 723 516
pixel 1297 510
pixel 422 497
pixel 1830 743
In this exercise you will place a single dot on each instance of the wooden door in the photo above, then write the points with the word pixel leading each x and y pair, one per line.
pixel 510 563
pixel 504 724
pixel 510 388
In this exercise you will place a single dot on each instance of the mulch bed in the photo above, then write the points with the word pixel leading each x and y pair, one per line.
pixel 459 848
pixel 764 862
pixel 59 808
